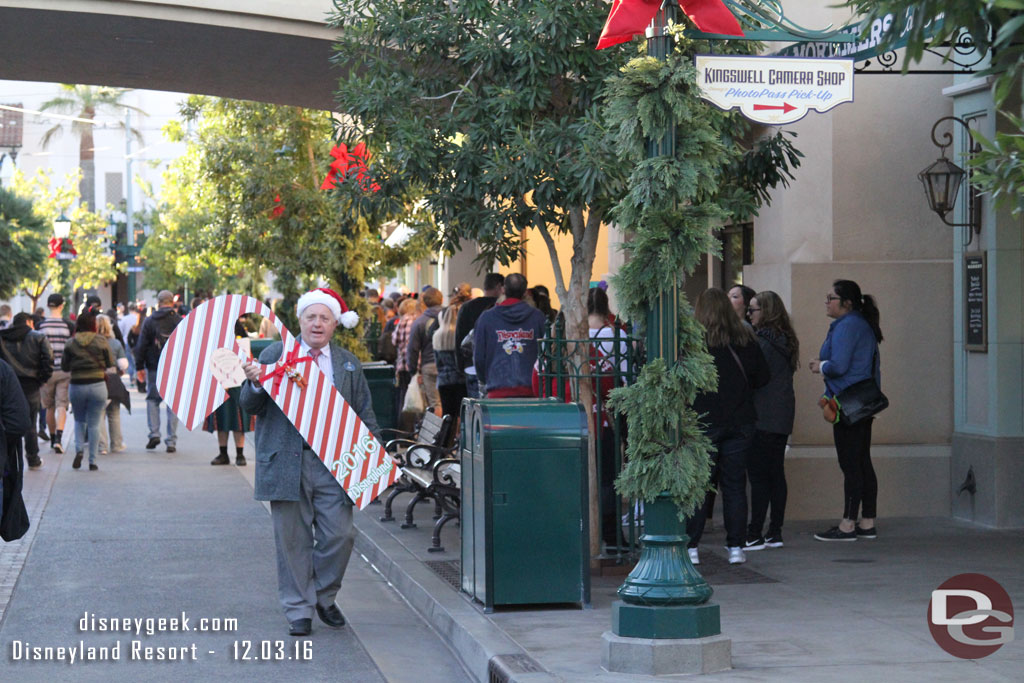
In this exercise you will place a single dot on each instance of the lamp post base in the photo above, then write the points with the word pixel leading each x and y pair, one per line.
pixel 665 622
pixel 662 657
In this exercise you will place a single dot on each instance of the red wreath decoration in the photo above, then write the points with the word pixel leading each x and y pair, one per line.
pixel 347 164
pixel 629 18
pixel 61 245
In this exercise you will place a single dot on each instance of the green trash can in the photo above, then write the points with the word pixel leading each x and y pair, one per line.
pixel 381 378
pixel 524 502
pixel 257 346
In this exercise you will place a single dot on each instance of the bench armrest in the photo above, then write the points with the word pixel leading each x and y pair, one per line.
pixel 401 433
pixel 445 478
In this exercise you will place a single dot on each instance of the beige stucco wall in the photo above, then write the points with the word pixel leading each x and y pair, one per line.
pixel 857 211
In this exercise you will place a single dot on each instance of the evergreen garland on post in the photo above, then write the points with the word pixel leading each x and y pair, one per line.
pixel 668 214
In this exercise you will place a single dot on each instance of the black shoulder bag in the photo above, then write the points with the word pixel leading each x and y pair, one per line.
pixel 861 400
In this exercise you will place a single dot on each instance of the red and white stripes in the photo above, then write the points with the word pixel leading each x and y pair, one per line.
pixel 320 414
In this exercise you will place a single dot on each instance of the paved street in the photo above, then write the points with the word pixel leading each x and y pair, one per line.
pixel 152 536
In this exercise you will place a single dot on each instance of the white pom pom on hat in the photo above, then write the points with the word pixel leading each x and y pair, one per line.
pixel 331 300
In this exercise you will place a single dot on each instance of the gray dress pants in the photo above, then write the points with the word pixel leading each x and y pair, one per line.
pixel 314 537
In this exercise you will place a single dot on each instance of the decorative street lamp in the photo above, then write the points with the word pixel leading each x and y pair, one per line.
pixel 62 227
pixel 942 180
pixel 62 249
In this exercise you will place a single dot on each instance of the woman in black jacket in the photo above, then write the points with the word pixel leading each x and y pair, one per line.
pixel 728 415
pixel 776 404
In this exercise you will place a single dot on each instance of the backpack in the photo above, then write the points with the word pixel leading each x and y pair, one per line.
pixel 164 328
pixel 386 350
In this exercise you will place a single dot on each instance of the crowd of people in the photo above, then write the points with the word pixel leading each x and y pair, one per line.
pixel 444 351
pixel 484 343
pixel 750 415
pixel 89 361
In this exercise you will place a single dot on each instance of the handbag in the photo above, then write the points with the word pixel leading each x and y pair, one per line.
pixel 861 400
pixel 116 391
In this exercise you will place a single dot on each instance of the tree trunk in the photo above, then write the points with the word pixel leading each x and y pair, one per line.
pixel 585 230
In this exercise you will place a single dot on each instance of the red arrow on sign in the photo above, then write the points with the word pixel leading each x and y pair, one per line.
pixel 786 108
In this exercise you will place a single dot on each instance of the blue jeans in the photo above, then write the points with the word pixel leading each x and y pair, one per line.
pixel 153 401
pixel 730 460
pixel 131 359
pixel 88 401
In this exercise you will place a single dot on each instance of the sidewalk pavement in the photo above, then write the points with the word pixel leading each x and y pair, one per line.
pixel 154 535
pixel 810 611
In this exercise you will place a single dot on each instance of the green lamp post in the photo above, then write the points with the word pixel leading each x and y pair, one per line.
pixel 65 253
pixel 664 596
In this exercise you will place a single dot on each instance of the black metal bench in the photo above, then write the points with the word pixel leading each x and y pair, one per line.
pixel 416 455
pixel 442 482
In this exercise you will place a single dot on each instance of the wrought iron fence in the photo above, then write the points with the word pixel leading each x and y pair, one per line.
pixel 610 359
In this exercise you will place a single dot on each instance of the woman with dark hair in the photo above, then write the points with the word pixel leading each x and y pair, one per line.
pixel 603 356
pixel 728 415
pixel 451 381
pixel 87 356
pixel 776 404
pixel 739 297
pixel 850 355
pixel 541 298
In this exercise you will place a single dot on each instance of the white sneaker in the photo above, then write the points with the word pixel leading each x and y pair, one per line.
pixel 736 555
pixel 694 555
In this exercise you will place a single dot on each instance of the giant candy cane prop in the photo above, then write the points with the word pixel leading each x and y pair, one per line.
pixel 324 419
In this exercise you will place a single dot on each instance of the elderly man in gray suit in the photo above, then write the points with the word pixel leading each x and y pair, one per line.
pixel 311 512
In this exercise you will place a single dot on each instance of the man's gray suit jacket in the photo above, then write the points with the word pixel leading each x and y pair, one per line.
pixel 278 443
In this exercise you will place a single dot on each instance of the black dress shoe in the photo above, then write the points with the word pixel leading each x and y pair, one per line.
pixel 153 442
pixel 221 459
pixel 300 627
pixel 331 616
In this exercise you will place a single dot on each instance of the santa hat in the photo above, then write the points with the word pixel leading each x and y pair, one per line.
pixel 331 300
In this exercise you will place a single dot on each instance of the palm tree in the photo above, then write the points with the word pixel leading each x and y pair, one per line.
pixel 84 102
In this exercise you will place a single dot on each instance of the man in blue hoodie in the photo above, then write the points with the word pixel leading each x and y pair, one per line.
pixel 505 343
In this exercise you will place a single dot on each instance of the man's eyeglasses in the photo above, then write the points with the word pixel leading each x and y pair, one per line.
pixel 830 298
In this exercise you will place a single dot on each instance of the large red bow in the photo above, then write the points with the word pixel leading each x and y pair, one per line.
pixel 58 245
pixel 349 163
pixel 632 17
pixel 287 369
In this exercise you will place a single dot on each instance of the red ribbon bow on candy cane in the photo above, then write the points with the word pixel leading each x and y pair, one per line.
pixel 632 17
pixel 55 246
pixel 287 368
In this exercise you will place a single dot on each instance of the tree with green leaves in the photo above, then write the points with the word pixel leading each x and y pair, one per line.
pixel 84 103
pixel 23 242
pixel 496 112
pixel 94 265
pixel 246 198
pixel 995 27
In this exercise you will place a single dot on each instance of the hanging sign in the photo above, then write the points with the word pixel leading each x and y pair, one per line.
pixel 202 358
pixel 774 90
